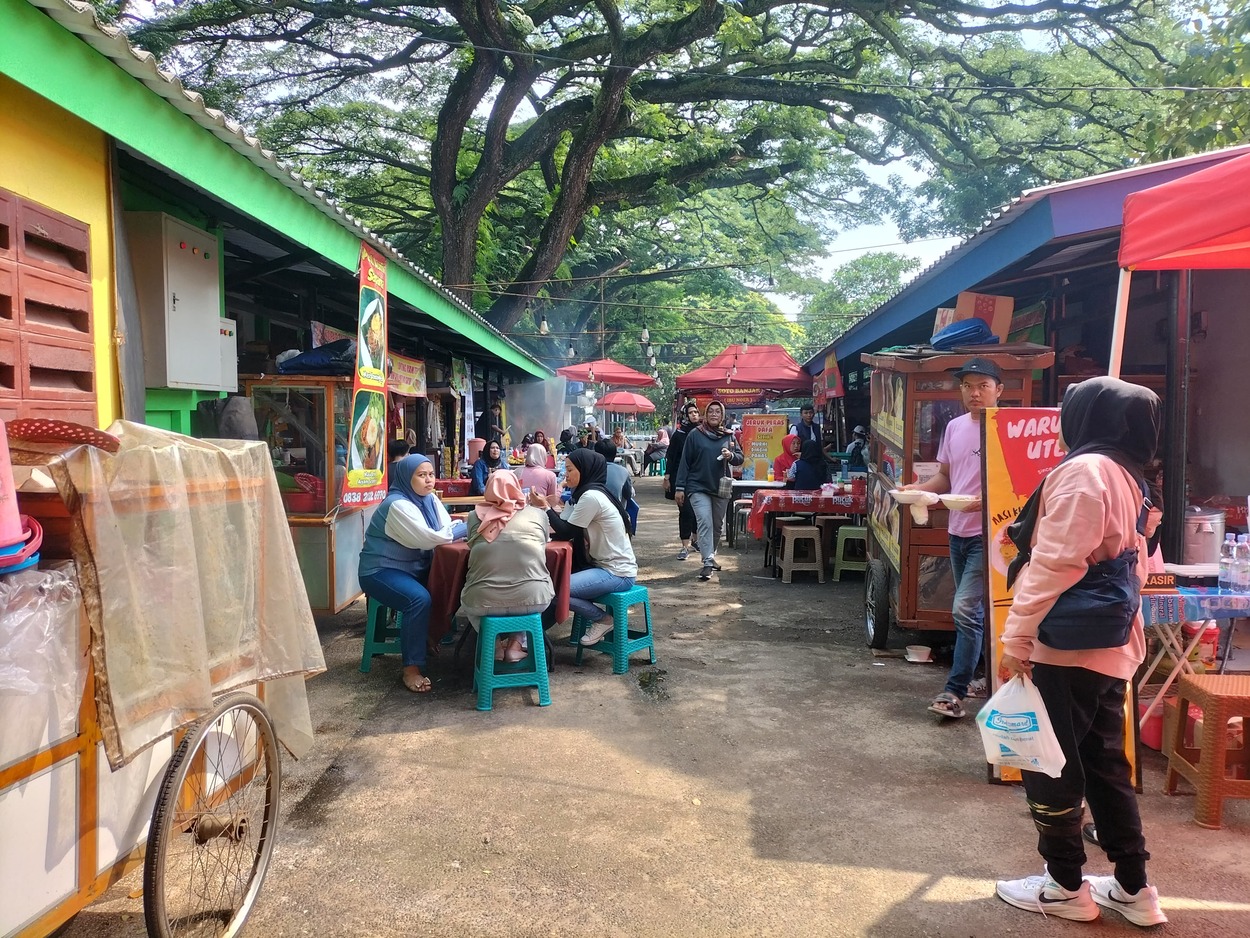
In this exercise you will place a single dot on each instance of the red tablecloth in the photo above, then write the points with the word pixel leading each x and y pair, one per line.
pixel 796 502
pixel 451 565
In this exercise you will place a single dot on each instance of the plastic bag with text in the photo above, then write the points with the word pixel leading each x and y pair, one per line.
pixel 1016 730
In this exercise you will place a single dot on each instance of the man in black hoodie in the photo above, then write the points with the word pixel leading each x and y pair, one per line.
pixel 688 420
pixel 709 451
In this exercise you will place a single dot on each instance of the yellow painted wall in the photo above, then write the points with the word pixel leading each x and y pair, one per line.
pixel 51 157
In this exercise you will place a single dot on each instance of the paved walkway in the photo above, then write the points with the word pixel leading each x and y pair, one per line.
pixel 771 777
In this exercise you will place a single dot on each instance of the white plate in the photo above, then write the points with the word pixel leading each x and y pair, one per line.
pixel 958 502
pixel 913 497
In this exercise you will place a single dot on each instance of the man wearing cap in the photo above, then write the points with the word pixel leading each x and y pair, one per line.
pixel 959 472
pixel 857 452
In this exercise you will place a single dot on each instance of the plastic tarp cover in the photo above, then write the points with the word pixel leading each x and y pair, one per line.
pixel 536 405
pixel 43 665
pixel 191 584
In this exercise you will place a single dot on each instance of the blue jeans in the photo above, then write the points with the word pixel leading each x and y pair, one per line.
pixel 586 585
pixel 404 593
pixel 968 567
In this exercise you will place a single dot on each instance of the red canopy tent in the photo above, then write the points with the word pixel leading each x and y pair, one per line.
pixel 1198 222
pixel 607 371
pixel 743 376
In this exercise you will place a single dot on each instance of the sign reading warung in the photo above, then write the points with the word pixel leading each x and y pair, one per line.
pixel 366 445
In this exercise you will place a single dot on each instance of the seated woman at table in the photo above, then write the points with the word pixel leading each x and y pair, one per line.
pixel 566 444
pixel 600 517
pixel 507 562
pixel 625 451
pixel 490 461
pixel 541 439
pixel 812 469
pixel 783 465
pixel 395 559
pixel 535 475
pixel 656 450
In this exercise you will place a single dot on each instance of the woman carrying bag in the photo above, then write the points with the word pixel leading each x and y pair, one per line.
pixel 1090 512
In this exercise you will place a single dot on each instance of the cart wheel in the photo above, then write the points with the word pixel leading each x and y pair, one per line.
pixel 213 826
pixel 877 603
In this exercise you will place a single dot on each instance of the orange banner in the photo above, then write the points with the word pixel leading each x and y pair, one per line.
pixel 761 443
pixel 366 448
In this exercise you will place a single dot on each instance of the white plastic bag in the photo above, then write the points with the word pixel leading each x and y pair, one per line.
pixel 1016 730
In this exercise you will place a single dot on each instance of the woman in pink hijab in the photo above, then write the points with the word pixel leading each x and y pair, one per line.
pixel 507 560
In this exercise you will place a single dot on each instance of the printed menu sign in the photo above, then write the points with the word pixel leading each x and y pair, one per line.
pixel 366 446
pixel 761 443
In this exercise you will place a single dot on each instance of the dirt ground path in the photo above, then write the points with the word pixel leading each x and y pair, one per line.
pixel 768 777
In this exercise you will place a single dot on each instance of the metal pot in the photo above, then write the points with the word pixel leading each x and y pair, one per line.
pixel 1204 533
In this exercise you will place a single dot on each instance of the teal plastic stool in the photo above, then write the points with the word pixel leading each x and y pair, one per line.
pixel 381 633
pixel 532 672
pixel 620 643
pixel 658 467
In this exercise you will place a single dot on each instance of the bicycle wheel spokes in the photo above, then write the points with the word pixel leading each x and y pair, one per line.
pixel 212 830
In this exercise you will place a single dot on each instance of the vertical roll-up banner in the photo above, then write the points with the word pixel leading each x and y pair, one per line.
pixel 366 449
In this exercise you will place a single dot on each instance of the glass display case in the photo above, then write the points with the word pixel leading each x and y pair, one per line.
pixel 913 397
pixel 304 421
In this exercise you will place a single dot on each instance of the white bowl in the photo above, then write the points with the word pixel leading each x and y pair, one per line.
pixel 959 502
pixel 919 653
pixel 913 497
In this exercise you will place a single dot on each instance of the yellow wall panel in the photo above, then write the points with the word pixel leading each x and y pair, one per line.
pixel 53 158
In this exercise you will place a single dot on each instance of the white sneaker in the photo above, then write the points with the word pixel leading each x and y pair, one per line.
pixel 594 634
pixel 1140 908
pixel 1042 894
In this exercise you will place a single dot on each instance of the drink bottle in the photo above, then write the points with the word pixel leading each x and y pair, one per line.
pixel 1226 561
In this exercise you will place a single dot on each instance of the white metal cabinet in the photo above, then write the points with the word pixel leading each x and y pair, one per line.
pixel 176 269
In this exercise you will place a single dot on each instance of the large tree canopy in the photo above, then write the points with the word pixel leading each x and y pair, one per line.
pixel 513 148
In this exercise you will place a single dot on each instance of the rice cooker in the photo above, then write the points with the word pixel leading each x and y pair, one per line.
pixel 1204 533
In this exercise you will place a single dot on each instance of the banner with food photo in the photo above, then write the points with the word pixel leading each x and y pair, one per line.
pixel 1020 446
pixel 366 446
pixel 761 442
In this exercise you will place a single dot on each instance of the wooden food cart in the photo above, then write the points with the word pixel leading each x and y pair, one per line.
pixel 175 769
pixel 304 420
pixel 914 394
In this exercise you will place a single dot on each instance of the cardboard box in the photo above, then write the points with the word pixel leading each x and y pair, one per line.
pixel 994 310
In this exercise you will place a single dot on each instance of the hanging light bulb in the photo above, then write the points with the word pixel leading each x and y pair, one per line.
pixel 571 353
pixel 651 360
pixel 590 375
pixel 646 335
pixel 735 369
pixel 542 325
pixel 655 373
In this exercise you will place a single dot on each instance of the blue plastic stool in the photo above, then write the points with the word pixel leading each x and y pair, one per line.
pixel 532 672
pixel 620 643
pixel 381 633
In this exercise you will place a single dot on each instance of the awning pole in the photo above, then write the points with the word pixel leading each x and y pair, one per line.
pixel 1121 320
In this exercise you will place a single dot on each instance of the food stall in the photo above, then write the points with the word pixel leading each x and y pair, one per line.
pixel 133 664
pixel 304 421
pixel 913 396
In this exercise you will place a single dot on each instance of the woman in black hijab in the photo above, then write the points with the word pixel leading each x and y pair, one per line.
pixel 599 517
pixel 811 471
pixel 1090 509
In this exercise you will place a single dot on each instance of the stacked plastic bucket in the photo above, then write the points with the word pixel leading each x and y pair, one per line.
pixel 20 535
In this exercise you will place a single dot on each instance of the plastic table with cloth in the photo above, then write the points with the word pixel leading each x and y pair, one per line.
pixel 1164 613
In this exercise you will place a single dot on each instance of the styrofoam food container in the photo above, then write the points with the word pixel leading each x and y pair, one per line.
pixel 913 497
pixel 919 653
pixel 958 502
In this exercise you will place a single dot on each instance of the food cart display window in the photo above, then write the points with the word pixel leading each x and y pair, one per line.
pixel 292 422
pixel 931 418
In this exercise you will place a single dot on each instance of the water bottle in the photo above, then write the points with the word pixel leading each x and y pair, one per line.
pixel 1241 565
pixel 1226 561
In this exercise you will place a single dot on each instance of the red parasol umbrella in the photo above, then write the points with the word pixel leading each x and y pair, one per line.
pixel 624 402
pixel 606 371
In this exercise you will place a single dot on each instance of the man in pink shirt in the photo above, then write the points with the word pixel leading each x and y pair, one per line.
pixel 959 472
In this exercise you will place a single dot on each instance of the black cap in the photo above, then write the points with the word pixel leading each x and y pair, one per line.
pixel 980 366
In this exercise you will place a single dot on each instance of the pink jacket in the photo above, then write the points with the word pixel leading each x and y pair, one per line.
pixel 1088 513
